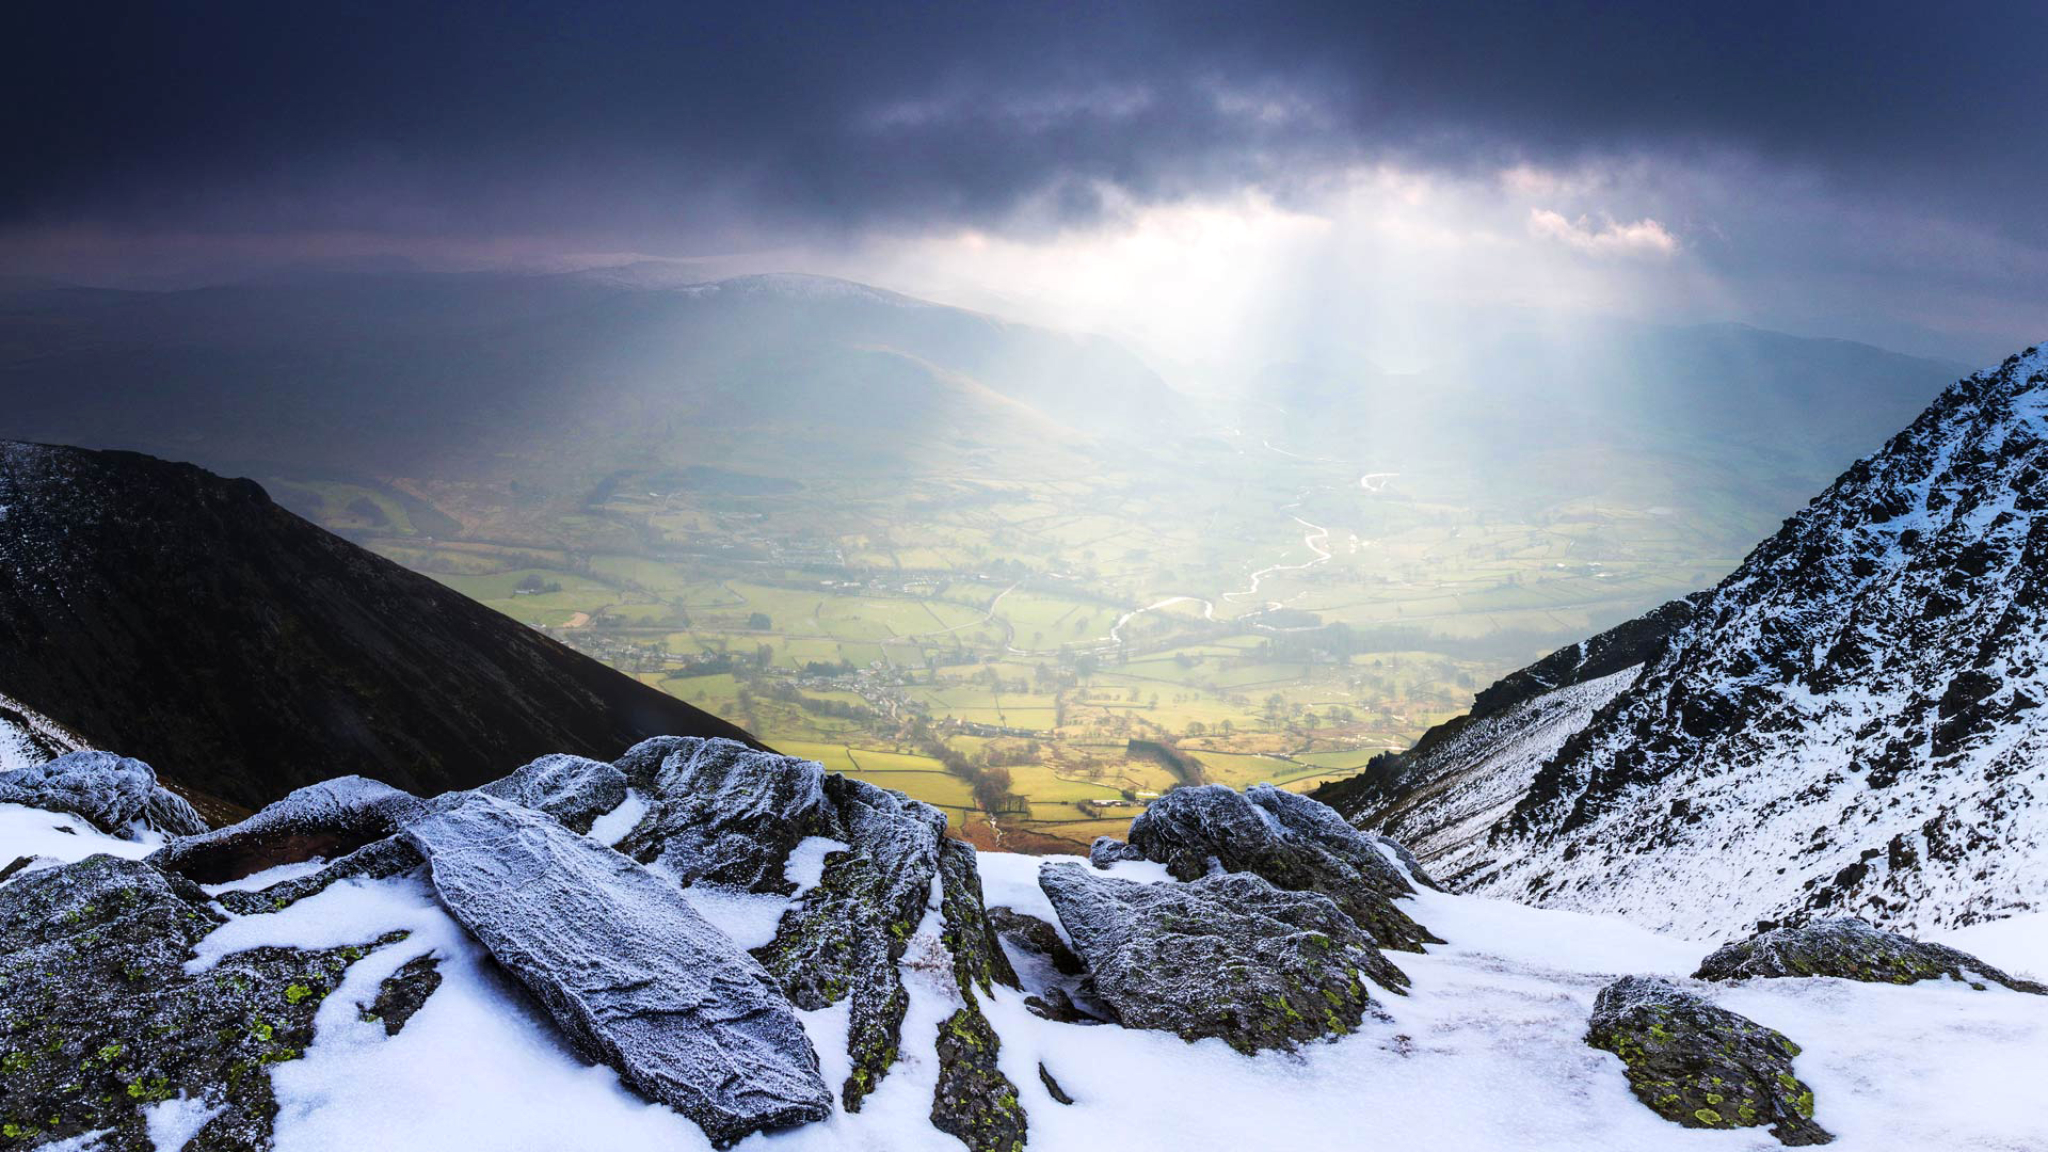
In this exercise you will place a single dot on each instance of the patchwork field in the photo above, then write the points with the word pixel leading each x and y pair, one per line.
pixel 996 647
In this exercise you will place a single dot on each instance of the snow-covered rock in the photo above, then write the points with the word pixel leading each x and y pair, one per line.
pixel 723 813
pixel 1230 956
pixel 1850 949
pixel 328 819
pixel 1294 842
pixel 1700 1065
pixel 573 789
pixel 630 972
pixel 115 794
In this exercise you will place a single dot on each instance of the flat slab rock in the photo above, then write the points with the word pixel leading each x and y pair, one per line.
pixel 1702 1066
pixel 1851 949
pixel 1297 843
pixel 1229 956
pixel 112 793
pixel 630 972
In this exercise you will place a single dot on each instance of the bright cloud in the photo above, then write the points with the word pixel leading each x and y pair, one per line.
pixel 1604 236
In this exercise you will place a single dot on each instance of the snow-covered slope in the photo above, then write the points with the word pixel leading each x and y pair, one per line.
pixel 1454 795
pixel 1849 724
pixel 1485 1051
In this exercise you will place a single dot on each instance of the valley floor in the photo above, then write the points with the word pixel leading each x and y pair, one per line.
pixel 1484 1053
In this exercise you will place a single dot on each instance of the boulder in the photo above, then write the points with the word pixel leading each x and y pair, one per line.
pixel 573 789
pixel 628 970
pixel 1703 1066
pixel 723 813
pixel 100 1021
pixel 1109 850
pixel 325 820
pixel 1230 956
pixel 1290 840
pixel 1852 950
pixel 115 794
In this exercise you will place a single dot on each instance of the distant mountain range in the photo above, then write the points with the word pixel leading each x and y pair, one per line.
pixel 1849 723
pixel 158 608
pixel 556 380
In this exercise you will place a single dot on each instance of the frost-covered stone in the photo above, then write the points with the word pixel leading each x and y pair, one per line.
pixel 1108 850
pixel 1296 843
pixel 723 813
pixel 100 1022
pixel 112 793
pixel 628 970
pixel 377 860
pixel 573 789
pixel 329 819
pixel 1851 950
pixel 1703 1066
pixel 1230 956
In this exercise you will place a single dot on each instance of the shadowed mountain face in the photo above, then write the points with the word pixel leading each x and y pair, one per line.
pixel 159 608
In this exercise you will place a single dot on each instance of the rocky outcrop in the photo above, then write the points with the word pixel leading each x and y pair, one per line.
pixel 974 1100
pixel 100 1021
pixel 1702 1066
pixel 723 813
pixel 573 789
pixel 114 794
pixel 1229 956
pixel 1851 949
pixel 329 819
pixel 631 973
pixel 1295 843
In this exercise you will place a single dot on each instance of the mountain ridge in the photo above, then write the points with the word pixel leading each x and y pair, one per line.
pixel 153 605
pixel 1848 723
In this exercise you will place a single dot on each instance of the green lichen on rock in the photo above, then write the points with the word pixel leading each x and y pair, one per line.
pixel 99 1020
pixel 404 993
pixel 1702 1066
pixel 974 1100
pixel 1850 949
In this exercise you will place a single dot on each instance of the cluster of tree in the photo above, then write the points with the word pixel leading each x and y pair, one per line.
pixel 837 709
pixel 991 782
pixel 532 585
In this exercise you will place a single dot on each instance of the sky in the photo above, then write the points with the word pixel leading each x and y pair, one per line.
pixel 1213 180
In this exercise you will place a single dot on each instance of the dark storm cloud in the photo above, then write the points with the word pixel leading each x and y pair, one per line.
pixel 480 119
